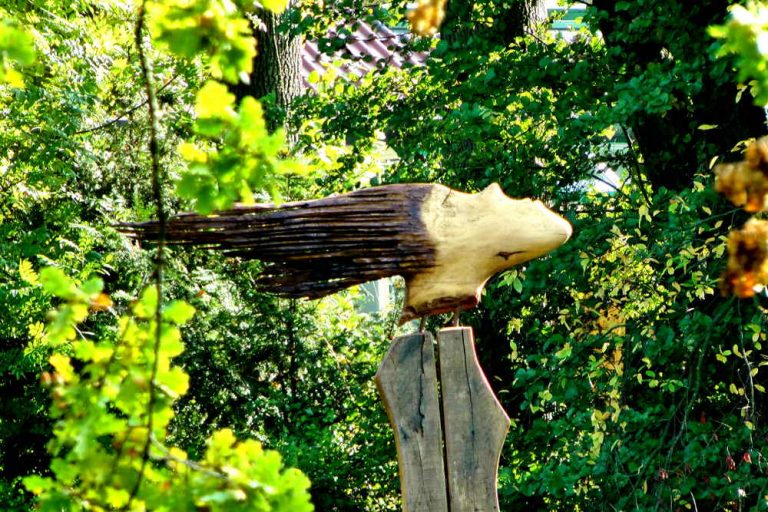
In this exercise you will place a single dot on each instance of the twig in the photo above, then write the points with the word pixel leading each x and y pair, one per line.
pixel 169 457
pixel 640 180
pixel 694 379
pixel 157 193
pixel 751 399
pixel 120 116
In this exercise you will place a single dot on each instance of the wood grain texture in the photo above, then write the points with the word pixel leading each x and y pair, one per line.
pixel 445 243
pixel 476 236
pixel 315 248
pixel 475 424
pixel 407 383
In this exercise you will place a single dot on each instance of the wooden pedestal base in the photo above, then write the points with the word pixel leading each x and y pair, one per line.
pixel 449 427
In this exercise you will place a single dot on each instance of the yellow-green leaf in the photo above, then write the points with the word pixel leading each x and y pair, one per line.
pixel 145 307
pixel 276 6
pixel 61 364
pixel 117 497
pixel 57 283
pixel 178 312
pixel 37 484
pixel 27 273
pixel 215 101
pixel 174 382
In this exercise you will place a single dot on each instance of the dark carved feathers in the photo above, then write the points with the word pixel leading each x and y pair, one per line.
pixel 315 248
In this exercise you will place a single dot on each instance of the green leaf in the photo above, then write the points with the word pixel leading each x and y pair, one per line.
pixel 215 101
pixel 92 286
pixel 37 484
pixel 117 498
pixel 147 304
pixel 84 349
pixel 171 341
pixel 564 352
pixel 27 273
pixel 178 312
pixel 16 44
pixel 57 283
pixel 220 442
pixel 174 382
pixel 63 367
pixel 16 49
pixel 252 122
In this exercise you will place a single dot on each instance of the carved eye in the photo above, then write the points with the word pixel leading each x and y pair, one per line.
pixel 506 255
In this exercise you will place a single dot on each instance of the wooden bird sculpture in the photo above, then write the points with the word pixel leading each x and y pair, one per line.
pixel 446 244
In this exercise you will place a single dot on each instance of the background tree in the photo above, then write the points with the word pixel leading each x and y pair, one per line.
pixel 276 67
pixel 654 54
pixel 631 383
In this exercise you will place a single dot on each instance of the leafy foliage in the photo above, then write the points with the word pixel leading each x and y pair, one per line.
pixel 297 375
pixel 111 422
pixel 16 49
pixel 631 383
pixel 745 36
pixel 112 394
pixel 249 159
pixel 215 28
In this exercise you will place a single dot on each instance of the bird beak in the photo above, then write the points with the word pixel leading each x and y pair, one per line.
pixel 554 230
pixel 564 228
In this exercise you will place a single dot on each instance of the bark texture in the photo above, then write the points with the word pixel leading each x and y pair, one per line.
pixel 510 20
pixel 276 67
pixel 315 248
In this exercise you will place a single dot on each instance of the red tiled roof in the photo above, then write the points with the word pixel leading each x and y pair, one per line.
pixel 367 48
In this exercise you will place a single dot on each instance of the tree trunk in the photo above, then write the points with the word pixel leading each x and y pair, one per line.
pixel 510 20
pixel 673 147
pixel 276 67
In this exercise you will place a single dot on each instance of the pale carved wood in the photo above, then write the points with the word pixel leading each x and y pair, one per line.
pixel 476 236
pixel 407 383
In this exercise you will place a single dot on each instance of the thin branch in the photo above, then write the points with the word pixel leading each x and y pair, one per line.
pixel 533 34
pixel 694 379
pixel 169 457
pixel 609 184
pixel 751 399
pixel 636 167
pixel 131 110
pixel 146 71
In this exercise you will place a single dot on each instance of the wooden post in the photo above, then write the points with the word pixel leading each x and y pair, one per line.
pixel 475 424
pixel 448 459
pixel 407 382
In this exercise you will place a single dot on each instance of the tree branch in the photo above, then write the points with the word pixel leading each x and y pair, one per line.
pixel 157 192
pixel 131 110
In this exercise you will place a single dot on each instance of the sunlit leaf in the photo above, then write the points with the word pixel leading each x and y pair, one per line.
pixel 27 273
pixel 276 6
pixel 215 101
pixel 57 283
pixel 178 312
pixel 61 364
